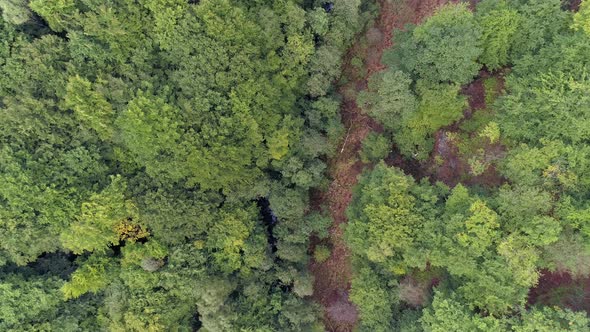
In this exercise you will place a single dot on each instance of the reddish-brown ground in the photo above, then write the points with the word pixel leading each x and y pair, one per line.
pixel 560 289
pixel 333 276
pixel 573 5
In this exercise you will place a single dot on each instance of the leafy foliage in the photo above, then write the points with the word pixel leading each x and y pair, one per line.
pixel 373 300
pixel 438 106
pixel 499 23
pixel 157 159
pixel 445 48
pixel 582 18
pixel 479 249
pixel 375 147
pixel 136 137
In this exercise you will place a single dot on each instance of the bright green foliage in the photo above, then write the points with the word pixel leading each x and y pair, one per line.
pixel 439 106
pixel 498 24
pixel 279 144
pixel 469 221
pixel 55 12
pixel 135 136
pixel 26 300
pixel 373 300
pixel 148 128
pixel 522 259
pixel 575 213
pixel 345 20
pixel 32 213
pixel 166 14
pixel 92 276
pixel 492 286
pixel 480 229
pixel 36 304
pixel 491 131
pixel 232 244
pixel 440 67
pixel 15 11
pixel 49 163
pixel 477 166
pixel 562 94
pixel 90 106
pixel 582 18
pixel 540 22
pixel 527 211
pixel 552 93
pixel 553 319
pixel 125 307
pixel 149 254
pixel 319 21
pixel 553 166
pixel 445 48
pixel 491 250
pixel 97 226
pixel 472 236
pixel 389 99
pixel 448 314
pixel 383 218
pixel 375 147
pixel 157 159
pixel 321 253
pixel 484 246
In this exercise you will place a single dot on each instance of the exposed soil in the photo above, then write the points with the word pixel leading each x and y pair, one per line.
pixel 454 169
pixel 560 289
pixel 333 276
pixel 476 94
pixel 409 166
pixel 572 5
pixel 413 292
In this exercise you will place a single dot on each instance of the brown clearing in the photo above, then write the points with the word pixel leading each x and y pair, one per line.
pixel 573 5
pixel 561 289
pixel 333 276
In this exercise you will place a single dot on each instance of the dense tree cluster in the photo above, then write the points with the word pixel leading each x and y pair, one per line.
pixel 481 249
pixel 419 92
pixel 157 158
pixel 139 143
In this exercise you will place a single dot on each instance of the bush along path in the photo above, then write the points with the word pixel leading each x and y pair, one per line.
pixel 333 274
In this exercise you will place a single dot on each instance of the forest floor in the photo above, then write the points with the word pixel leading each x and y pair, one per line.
pixel 333 276
pixel 563 290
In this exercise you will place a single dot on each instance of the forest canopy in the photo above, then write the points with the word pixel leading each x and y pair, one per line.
pixel 173 165
pixel 142 146
pixel 498 92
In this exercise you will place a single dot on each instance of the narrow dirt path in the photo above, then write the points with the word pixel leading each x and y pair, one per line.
pixel 333 276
